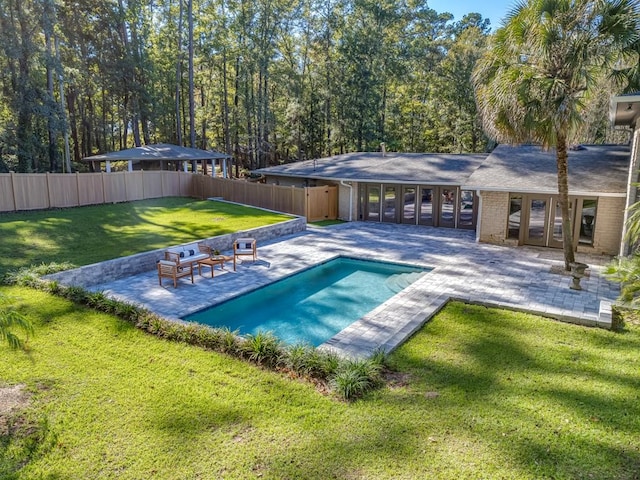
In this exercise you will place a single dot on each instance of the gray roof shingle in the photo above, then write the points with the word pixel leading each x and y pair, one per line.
pixel 436 168
pixel 592 169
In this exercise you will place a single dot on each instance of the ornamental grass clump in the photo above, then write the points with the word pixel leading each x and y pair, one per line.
pixel 27 276
pixel 354 378
pixel 264 348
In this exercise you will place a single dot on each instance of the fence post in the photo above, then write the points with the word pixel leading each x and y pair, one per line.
pixel 13 192
pixel 104 190
pixel 78 187
pixel 48 190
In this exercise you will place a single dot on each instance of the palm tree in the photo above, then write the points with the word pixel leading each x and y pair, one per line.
pixel 10 319
pixel 549 56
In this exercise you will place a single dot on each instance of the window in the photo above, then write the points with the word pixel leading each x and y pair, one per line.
pixel 426 206
pixel 467 210
pixel 447 207
pixel 587 221
pixel 515 216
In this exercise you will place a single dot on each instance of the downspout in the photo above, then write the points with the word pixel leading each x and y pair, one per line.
pixel 350 198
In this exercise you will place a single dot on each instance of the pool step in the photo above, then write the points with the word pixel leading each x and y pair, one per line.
pixel 400 281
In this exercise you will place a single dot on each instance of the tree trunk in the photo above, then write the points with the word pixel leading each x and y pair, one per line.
pixel 65 126
pixel 563 192
pixel 179 78
pixel 192 105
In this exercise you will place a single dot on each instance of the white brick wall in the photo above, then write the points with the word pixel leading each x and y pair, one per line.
pixel 608 230
pixel 495 211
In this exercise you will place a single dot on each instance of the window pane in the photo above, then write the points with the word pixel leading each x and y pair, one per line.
pixel 557 222
pixel 409 205
pixel 588 221
pixel 515 213
pixel 536 219
pixel 373 203
pixel 466 209
pixel 390 204
pixel 448 200
pixel 426 206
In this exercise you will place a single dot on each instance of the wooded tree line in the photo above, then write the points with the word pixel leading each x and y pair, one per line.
pixel 272 80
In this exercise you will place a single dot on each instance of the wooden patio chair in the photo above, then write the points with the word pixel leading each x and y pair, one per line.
pixel 169 269
pixel 244 247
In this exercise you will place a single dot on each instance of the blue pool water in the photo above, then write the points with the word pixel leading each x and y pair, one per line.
pixel 314 305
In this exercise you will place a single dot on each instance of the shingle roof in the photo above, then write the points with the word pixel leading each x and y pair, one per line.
pixel 592 169
pixel 158 151
pixel 436 168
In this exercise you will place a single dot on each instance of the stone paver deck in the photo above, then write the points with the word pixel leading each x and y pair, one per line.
pixel 516 278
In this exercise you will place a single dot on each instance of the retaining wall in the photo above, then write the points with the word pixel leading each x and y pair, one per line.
pixel 116 268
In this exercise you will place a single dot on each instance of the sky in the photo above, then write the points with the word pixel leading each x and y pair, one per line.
pixel 494 10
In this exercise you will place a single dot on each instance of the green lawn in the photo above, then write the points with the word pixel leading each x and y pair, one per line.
pixel 477 393
pixel 92 234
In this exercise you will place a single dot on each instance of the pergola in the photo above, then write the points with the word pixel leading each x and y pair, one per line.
pixel 162 153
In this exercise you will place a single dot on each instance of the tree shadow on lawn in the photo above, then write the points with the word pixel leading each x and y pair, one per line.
pixel 490 371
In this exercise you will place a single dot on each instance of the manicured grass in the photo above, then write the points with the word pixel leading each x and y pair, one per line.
pixel 479 393
pixel 95 233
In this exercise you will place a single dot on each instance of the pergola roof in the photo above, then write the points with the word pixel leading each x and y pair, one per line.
pixel 158 152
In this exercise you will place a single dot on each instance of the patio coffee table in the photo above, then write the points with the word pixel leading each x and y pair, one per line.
pixel 212 262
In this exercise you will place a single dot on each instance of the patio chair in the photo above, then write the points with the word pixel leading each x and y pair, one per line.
pixel 169 269
pixel 244 247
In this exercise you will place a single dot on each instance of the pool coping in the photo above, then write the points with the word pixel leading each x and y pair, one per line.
pixel 518 279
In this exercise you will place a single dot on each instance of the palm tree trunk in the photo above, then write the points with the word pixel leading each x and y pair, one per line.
pixel 563 192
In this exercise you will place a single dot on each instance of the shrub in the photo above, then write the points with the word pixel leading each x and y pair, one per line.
pixel 354 378
pixel 263 348
pixel 29 276
pixel 230 342
pixel 10 320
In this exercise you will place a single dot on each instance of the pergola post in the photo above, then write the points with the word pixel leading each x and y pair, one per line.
pixel 213 167
pixel 224 168
pixel 108 166
pixel 131 165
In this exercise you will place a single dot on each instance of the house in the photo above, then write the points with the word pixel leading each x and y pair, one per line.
pixel 508 196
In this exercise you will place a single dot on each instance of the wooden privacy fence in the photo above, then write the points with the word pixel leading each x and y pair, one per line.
pixel 315 203
pixel 33 191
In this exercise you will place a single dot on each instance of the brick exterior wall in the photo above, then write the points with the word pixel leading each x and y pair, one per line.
pixel 493 221
pixel 608 232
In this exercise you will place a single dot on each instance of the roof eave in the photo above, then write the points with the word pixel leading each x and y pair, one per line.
pixel 624 110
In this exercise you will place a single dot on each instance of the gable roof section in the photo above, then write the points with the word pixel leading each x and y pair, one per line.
pixel 593 169
pixel 416 168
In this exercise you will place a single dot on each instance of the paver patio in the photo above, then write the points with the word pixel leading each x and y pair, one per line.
pixel 518 278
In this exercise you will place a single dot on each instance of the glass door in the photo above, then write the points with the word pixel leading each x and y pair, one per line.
pixel 447 207
pixel 555 239
pixel 426 206
pixel 409 205
pixel 536 232
pixel 372 210
pixel 467 212
pixel 390 211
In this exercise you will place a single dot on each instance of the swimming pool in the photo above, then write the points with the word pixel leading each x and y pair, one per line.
pixel 314 305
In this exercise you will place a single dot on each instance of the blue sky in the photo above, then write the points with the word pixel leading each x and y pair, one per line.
pixel 494 10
